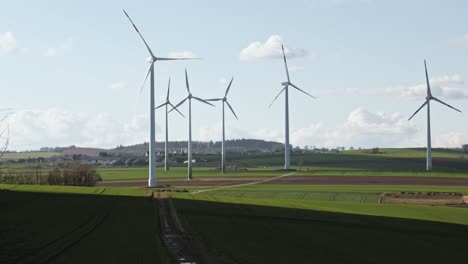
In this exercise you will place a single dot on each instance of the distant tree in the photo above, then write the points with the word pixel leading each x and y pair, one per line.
pixel 374 151
pixel 77 174
pixel 465 148
pixel 139 162
pixel 103 154
pixel 129 162
pixel 55 177
pixel 118 162
pixel 4 135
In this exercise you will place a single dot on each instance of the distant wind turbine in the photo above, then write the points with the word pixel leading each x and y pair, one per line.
pixel 287 147
pixel 189 98
pixel 152 145
pixel 166 104
pixel 225 101
pixel 429 97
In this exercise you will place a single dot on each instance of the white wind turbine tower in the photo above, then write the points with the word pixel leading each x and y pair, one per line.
pixel 225 101
pixel 429 97
pixel 189 97
pixel 152 143
pixel 287 147
pixel 166 104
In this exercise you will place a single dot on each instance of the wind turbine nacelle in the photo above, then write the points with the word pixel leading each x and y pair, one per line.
pixel 284 83
pixel 149 59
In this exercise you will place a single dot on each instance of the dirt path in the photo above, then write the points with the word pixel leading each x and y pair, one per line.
pixel 181 245
pixel 244 184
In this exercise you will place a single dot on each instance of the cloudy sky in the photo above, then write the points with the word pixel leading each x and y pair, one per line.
pixel 71 70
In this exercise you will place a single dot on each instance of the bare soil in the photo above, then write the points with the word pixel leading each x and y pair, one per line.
pixel 312 180
pixel 422 198
pixel 372 180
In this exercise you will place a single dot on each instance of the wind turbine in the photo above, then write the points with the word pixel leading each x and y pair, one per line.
pixel 167 103
pixel 225 101
pixel 429 97
pixel 189 98
pixel 150 72
pixel 287 147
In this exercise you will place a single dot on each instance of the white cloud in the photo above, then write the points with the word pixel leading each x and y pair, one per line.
pixel 51 52
pixel 7 43
pixel 54 51
pixel 271 48
pixel 362 128
pixel 119 86
pixel 32 129
pixel 447 86
pixel 452 139
pixel 182 54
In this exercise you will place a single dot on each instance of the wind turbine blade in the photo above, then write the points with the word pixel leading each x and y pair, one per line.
pixel 186 82
pixel 229 87
pixel 168 89
pixel 203 101
pixel 166 59
pixel 161 106
pixel 429 93
pixel 277 96
pixel 177 105
pixel 214 99
pixel 173 107
pixel 425 103
pixel 146 77
pixel 302 90
pixel 285 63
pixel 146 44
pixel 446 104
pixel 230 107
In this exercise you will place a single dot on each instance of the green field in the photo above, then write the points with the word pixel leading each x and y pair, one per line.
pixel 261 223
pixel 389 162
pixel 78 225
pixel 181 173
pixel 331 193
pixel 249 224
pixel 297 231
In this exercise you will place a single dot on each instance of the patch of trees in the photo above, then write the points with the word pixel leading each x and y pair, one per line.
pixel 371 151
pixel 465 148
pixel 74 174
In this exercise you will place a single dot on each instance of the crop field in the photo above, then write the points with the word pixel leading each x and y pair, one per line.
pixel 250 221
pixel 297 231
pixel 181 172
pixel 78 225
pixel 389 162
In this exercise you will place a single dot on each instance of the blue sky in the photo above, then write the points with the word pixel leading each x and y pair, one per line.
pixel 71 70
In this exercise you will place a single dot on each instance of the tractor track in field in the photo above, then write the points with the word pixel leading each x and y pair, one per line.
pixel 56 247
pixel 181 245
pixel 243 184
